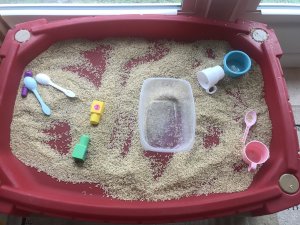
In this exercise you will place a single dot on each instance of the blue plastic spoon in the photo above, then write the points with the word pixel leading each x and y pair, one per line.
pixel 31 84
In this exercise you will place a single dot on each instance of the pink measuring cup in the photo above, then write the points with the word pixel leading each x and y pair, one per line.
pixel 254 153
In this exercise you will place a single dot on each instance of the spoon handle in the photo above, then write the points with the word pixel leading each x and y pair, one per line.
pixel 65 91
pixel 245 134
pixel 45 108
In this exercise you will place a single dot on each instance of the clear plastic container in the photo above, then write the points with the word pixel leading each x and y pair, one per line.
pixel 167 118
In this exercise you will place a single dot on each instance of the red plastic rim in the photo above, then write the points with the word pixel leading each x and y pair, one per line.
pixel 24 190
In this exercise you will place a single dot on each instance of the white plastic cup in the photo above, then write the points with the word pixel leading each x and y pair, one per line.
pixel 208 78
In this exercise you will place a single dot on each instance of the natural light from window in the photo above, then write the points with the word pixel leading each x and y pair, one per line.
pixel 88 7
pixel 87 1
pixel 279 7
pixel 282 1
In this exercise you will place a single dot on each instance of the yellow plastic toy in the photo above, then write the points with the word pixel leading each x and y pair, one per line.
pixel 97 109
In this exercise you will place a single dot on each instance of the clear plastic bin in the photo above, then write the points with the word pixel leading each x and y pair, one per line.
pixel 167 118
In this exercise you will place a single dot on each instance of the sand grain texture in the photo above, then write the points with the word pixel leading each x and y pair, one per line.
pixel 125 171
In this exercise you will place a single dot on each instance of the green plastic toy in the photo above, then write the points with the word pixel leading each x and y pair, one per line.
pixel 80 150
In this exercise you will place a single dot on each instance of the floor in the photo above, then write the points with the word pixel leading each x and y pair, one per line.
pixel 287 217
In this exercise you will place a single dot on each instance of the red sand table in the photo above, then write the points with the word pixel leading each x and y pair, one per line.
pixel 23 190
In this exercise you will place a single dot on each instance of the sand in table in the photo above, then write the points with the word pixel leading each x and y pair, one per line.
pixel 113 71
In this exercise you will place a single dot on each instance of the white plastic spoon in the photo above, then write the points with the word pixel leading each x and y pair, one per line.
pixel 250 120
pixel 31 85
pixel 44 79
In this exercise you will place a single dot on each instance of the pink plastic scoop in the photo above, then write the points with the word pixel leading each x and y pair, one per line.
pixel 250 120
pixel 255 153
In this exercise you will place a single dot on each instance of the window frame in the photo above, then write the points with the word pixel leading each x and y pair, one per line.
pixel 286 23
pixel 87 9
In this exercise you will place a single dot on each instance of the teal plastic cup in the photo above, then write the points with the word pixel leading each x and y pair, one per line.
pixel 236 63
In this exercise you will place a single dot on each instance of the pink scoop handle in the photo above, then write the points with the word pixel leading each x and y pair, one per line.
pixel 252 167
pixel 245 134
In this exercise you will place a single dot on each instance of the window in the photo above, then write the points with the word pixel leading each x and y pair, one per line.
pixel 87 1
pixel 280 7
pixel 87 7
pixel 281 1
pixel 282 15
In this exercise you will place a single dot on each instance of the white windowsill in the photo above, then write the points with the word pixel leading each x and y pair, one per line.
pixel 279 9
pixel 87 9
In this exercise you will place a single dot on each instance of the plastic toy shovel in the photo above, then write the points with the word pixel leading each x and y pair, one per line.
pixel 250 120
pixel 31 84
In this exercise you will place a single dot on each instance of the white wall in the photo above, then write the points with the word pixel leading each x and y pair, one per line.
pixel 287 29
